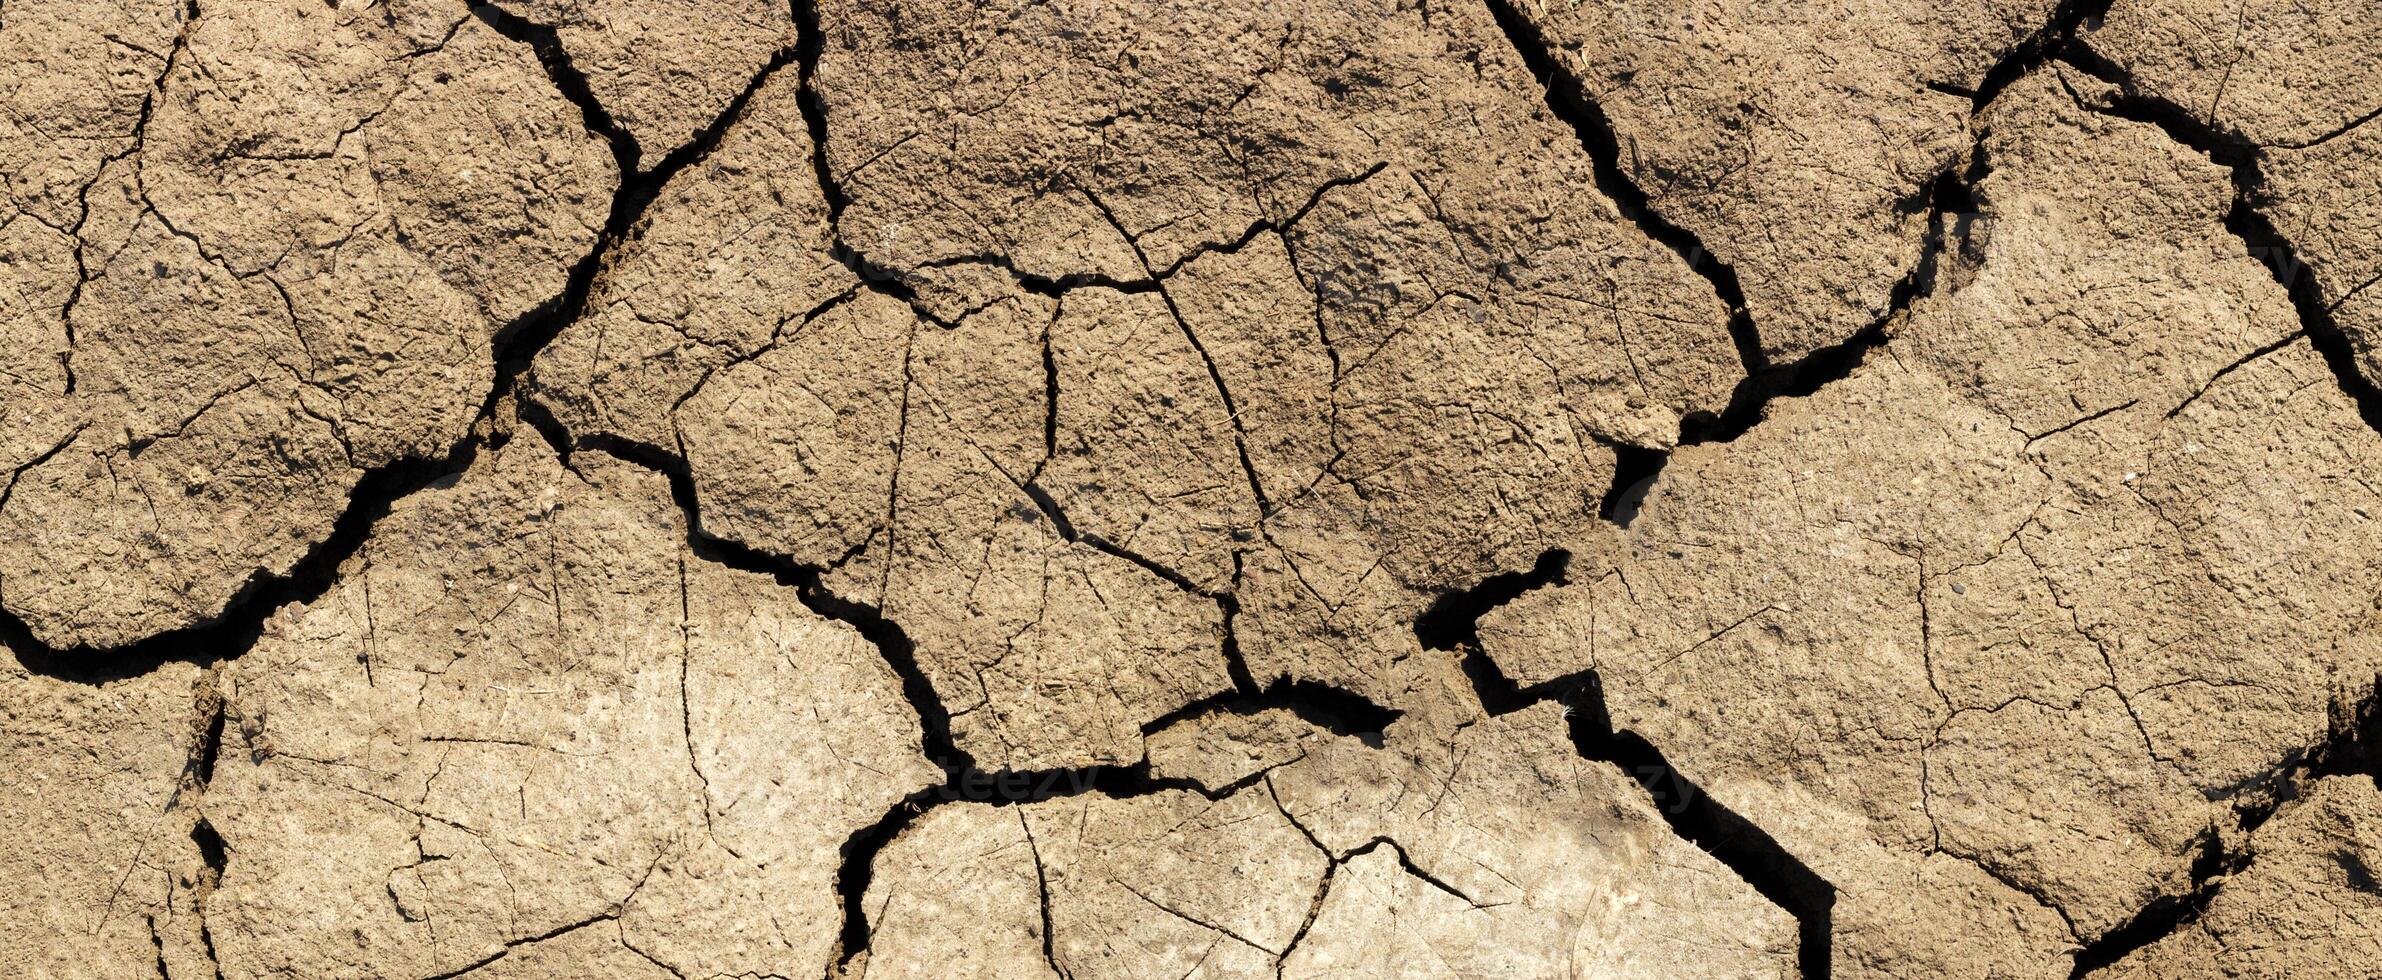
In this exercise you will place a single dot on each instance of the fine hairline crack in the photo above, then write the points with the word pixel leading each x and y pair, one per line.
pixel 1951 209
pixel 1452 623
pixel 240 624
pixel 1569 102
pixel 2352 747
pixel 514 346
pixel 2243 161
pixel 1456 615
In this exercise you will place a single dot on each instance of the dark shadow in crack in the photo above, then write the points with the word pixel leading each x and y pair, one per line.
pixel 214 857
pixel 1453 623
pixel 2242 160
pixel 1703 821
pixel 1634 471
pixel 514 346
pixel 961 779
pixel 232 632
pixel 2348 749
pixel 1340 712
pixel 966 784
pixel 1953 231
pixel 1951 206
pixel 1569 103
pixel 2165 914
pixel 2039 48
pixel 893 645
pixel 2355 748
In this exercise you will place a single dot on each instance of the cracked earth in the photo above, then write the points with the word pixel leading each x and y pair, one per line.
pixel 1392 488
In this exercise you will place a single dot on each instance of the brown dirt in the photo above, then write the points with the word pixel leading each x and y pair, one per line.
pixel 1720 488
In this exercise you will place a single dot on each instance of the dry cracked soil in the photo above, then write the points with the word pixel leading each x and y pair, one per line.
pixel 672 489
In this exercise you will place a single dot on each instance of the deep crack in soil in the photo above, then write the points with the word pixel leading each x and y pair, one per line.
pixel 1310 215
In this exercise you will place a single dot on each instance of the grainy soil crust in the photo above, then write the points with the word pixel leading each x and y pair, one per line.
pixel 1372 488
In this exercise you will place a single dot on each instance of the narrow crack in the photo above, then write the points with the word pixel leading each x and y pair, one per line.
pixel 10 489
pixel 2048 42
pixel 2236 365
pixel 2354 292
pixel 236 628
pixel 2243 161
pixel 1949 199
pixel 1951 223
pixel 209 714
pixel 1569 102
pixel 1232 412
pixel 1333 861
pixel 1067 531
pixel 2090 417
pixel 2352 747
pixel 1192 919
pixel 1153 276
pixel 1453 623
pixel 512 944
pixel 1323 885
pixel 1050 941
pixel 157 940
pixel 2328 136
pixel 1744 847
pixel 1335 710
pixel 1236 663
pixel 963 781
pixel 139 136
pixel 214 858
pixel 686 710
pixel 810 45
pixel 893 645
pixel 2164 915
pixel 1951 226
pixel 1413 870
pixel 1227 600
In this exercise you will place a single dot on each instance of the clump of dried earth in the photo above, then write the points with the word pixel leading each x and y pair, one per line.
pixel 920 488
